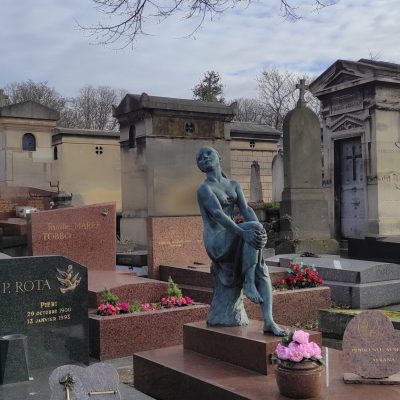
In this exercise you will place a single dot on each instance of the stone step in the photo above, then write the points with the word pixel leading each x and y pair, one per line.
pixel 244 346
pixel 198 293
pixel 136 258
pixel 175 373
pixel 195 275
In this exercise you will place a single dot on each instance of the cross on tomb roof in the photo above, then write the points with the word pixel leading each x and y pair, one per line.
pixel 303 88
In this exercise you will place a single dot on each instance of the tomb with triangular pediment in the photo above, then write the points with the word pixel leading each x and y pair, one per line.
pixel 345 123
pixel 360 110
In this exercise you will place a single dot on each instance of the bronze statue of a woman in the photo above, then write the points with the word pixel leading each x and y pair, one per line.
pixel 235 249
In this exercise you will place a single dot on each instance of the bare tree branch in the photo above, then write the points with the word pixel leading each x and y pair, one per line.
pixel 126 18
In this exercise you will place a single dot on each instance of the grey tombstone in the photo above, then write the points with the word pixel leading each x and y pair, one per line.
pixel 371 349
pixel 256 195
pixel 45 299
pixel 277 177
pixel 97 381
pixel 304 210
pixel 357 283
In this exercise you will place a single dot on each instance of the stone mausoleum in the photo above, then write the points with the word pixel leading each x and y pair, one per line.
pixel 361 137
pixel 159 140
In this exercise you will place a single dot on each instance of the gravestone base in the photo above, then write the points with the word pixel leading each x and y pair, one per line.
pixel 304 214
pixel 13 359
pixel 354 378
pixel 214 363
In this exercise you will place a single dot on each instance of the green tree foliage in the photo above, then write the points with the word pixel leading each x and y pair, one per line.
pixel 210 88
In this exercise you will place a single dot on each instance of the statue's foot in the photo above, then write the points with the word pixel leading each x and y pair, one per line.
pixel 250 291
pixel 275 329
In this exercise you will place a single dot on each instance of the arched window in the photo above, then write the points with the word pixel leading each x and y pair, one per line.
pixel 28 142
pixel 132 137
pixel 55 153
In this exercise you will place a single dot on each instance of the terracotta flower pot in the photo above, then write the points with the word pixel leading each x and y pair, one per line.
pixel 300 380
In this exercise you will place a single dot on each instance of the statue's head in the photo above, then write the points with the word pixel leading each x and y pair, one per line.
pixel 207 159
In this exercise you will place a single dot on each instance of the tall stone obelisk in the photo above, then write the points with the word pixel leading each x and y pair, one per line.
pixel 304 209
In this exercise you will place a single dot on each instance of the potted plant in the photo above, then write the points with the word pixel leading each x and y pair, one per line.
pixel 299 366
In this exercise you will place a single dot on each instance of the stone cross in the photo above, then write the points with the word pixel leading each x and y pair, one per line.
pixel 303 88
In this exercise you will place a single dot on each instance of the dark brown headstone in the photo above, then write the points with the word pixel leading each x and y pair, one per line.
pixel 84 234
pixel 371 346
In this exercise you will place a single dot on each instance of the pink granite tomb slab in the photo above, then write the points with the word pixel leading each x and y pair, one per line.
pixel 371 345
pixel 175 241
pixel 84 234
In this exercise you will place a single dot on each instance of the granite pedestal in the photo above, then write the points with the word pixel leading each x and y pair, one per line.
pixel 178 373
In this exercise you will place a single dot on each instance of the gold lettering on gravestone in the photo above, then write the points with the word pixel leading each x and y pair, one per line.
pixel 48 312
pixel 63 231
pixel 68 279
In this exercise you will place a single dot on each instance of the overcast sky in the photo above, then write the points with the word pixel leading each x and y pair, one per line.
pixel 40 40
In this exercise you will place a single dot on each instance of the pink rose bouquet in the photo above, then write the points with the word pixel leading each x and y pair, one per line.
pixel 296 348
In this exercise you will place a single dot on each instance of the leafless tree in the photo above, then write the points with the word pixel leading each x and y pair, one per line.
pixel 210 88
pixel 250 110
pixel 92 108
pixel 278 94
pixel 126 18
pixel 40 92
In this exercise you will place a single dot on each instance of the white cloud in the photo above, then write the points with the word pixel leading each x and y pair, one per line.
pixel 40 41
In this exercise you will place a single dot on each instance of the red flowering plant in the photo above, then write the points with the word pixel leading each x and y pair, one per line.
pixel 300 276
pixel 174 297
pixel 112 306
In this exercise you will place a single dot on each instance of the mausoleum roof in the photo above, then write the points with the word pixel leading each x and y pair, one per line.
pixel 344 74
pixel 60 131
pixel 251 130
pixel 135 102
pixel 29 110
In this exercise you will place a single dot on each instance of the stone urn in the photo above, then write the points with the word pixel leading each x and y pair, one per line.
pixel 301 380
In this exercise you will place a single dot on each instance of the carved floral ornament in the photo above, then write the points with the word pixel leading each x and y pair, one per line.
pixel 346 123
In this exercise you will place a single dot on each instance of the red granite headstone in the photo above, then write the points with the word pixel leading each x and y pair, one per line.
pixel 84 234
pixel 175 241
pixel 371 345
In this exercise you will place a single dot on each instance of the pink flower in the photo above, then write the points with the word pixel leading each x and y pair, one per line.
pixel 124 307
pixel 301 337
pixel 315 350
pixel 282 352
pixel 296 354
pixel 306 350
pixel 146 306
pixel 188 300
pixel 101 307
